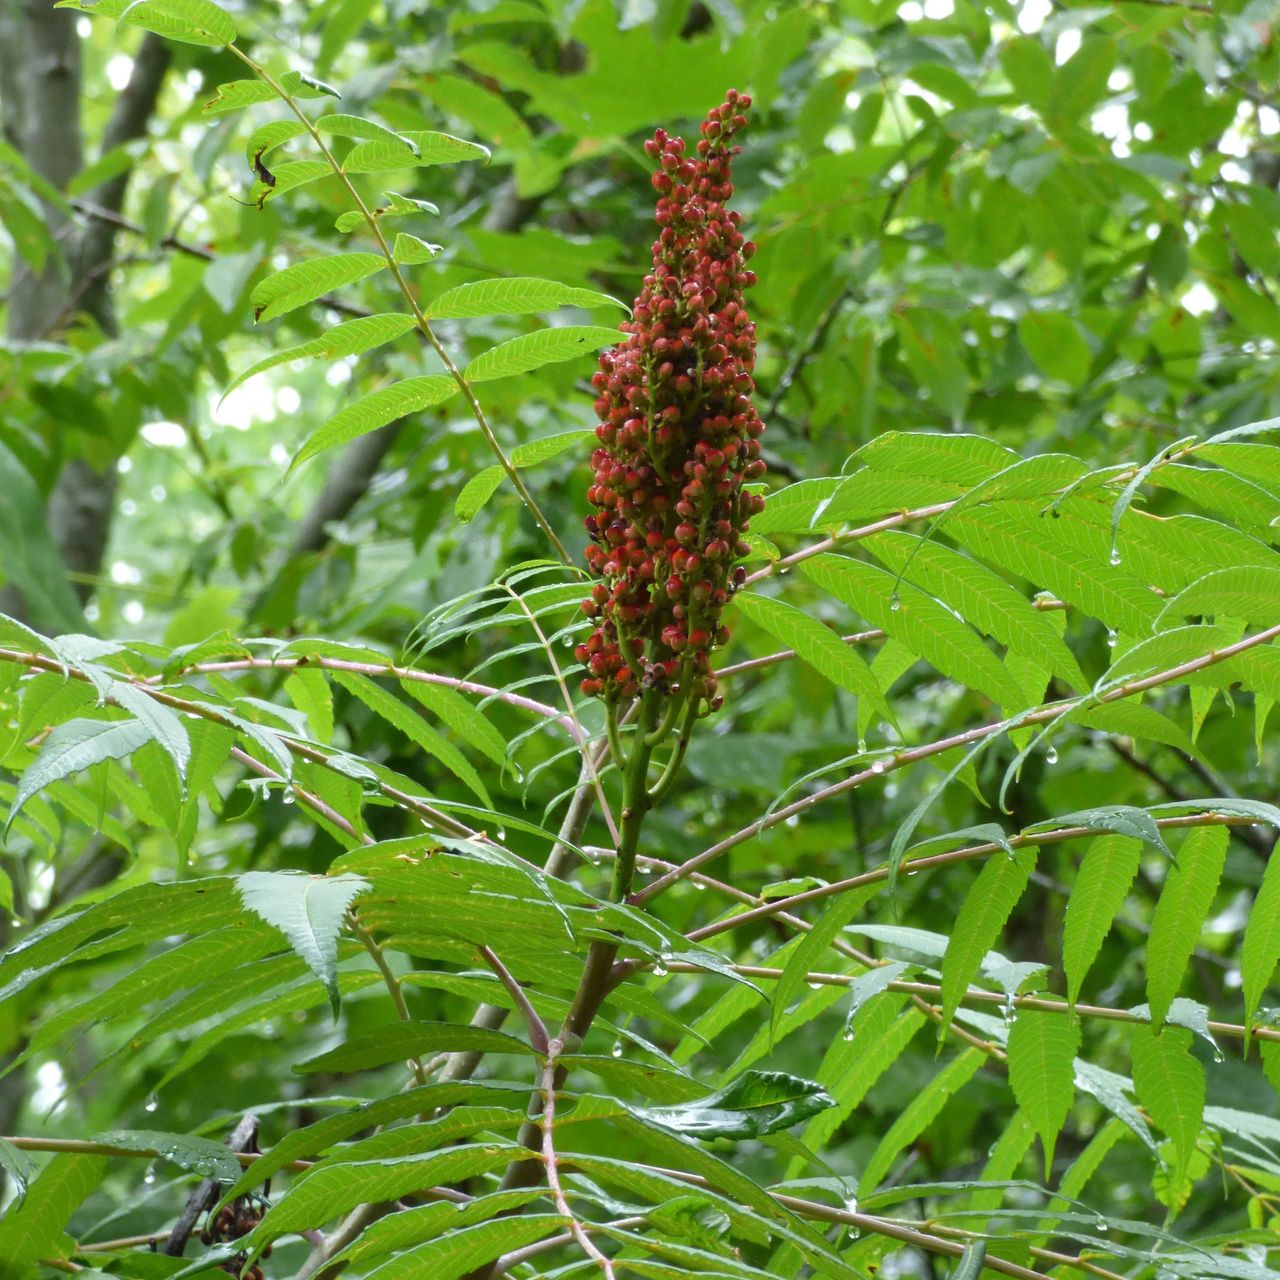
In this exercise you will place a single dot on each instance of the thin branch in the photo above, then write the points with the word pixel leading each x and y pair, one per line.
pixel 899 760
pixel 881 874
pixel 539 1036
pixel 392 983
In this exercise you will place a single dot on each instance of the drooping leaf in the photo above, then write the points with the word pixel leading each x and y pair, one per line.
pixel 403 1040
pixel 75 745
pixel 1188 893
pixel 982 915
pixel 1100 888
pixel 309 911
pixel 198 1155
pixel 1170 1084
pixel 1261 947
pixel 755 1104
pixel 1042 1047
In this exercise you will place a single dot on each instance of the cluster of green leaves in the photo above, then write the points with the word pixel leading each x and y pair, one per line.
pixel 950 940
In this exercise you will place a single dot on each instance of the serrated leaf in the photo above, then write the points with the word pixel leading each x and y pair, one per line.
pixel 476 492
pixel 1103 882
pixel 1122 819
pixel 348 126
pixel 926 627
pixel 198 1155
pixel 444 148
pixel 403 1040
pixel 1188 893
pixel 289 177
pixel 241 93
pixel 330 1190
pixel 1246 593
pixel 1261 948
pixel 266 138
pixel 350 338
pixel 375 410
pixel 188 21
pixel 304 282
pixel 533 350
pixel 805 957
pixel 163 723
pixel 917 1115
pixel 513 296
pixel 1170 1084
pixel 755 1104
pixel 75 745
pixel 459 1252
pixel 33 1230
pixel 817 645
pixel 464 719
pixel 1042 1047
pixel 410 250
pixel 309 911
pixel 982 915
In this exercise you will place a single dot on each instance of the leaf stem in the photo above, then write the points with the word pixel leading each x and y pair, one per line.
pixel 394 989
pixel 419 317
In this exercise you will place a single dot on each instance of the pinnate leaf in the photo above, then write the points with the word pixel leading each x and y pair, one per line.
pixel 304 282
pixel 513 296
pixel 1105 875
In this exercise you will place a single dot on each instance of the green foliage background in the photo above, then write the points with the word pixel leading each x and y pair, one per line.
pixel 1045 235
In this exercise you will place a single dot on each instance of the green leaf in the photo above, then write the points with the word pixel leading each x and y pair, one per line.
pixel 805 957
pixel 1042 1048
pixel 1185 900
pixel 266 138
pixel 309 911
pixel 73 746
pixel 981 917
pixel 1169 1082
pixel 1123 819
pixel 402 1040
pixel 971 1260
pixel 188 21
pixel 28 557
pixel 459 1251
pixel 917 1115
pixel 163 723
pixel 348 126
pixel 375 410
pixel 197 1155
pixel 1248 594
pixel 476 492
pixel 304 282
pixel 1055 343
pixel 331 1190
pixel 351 338
pixel 19 1169
pixel 409 721
pixel 815 644
pixel 533 350
pixel 1261 948
pixel 926 627
pixel 513 296
pixel 237 94
pixel 464 719
pixel 755 1104
pixel 410 250
pixel 33 1230
pixel 1100 888
pixel 444 148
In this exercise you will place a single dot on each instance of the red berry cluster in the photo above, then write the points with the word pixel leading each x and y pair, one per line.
pixel 678 436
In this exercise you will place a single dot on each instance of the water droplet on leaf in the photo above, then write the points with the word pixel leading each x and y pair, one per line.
pixel 1051 756
pixel 895 602
pixel 617 1049
pixel 1115 557
pixel 1111 639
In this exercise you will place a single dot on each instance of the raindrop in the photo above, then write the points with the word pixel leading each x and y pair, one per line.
pixel 660 964
pixel 895 602
pixel 286 797
pixel 617 1049
pixel 700 885
pixel 1115 557
pixel 151 1103
pixel 1218 1055
pixel 851 1205
pixel 1010 1008
pixel 862 745
pixel 848 1035
pixel 149 1177
pixel 1111 638
pixel 879 766
pixel 814 986
pixel 501 833
pixel 1051 756
pixel 1101 1224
